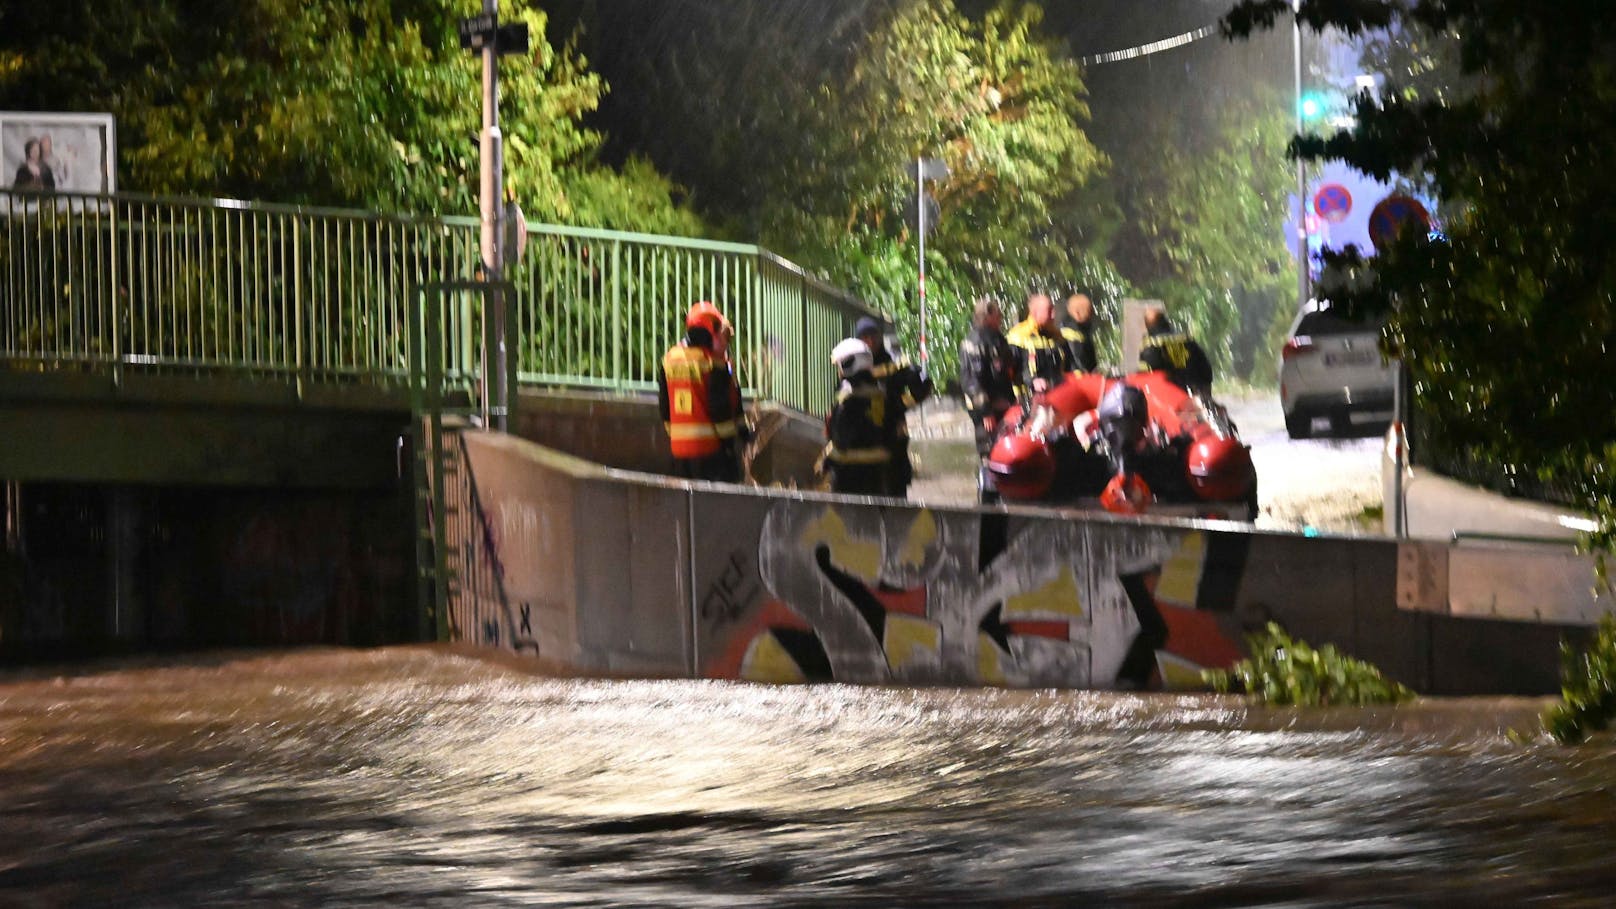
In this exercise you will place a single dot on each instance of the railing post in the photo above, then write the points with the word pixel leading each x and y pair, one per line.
pixel 807 370
pixel 618 378
pixel 297 306
pixel 113 244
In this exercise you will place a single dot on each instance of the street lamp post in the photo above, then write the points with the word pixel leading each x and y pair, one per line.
pixel 925 169
pixel 496 394
pixel 483 34
pixel 1303 279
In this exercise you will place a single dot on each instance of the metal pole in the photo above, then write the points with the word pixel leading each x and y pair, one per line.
pixel 1303 279
pixel 495 390
pixel 920 207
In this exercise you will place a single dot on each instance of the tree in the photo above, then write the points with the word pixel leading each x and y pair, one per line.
pixel 340 102
pixel 1507 324
pixel 797 126
pixel 1199 228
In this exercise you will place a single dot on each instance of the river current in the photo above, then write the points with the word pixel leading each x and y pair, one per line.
pixel 430 777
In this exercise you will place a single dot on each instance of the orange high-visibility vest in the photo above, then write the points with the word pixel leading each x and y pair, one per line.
pixel 690 425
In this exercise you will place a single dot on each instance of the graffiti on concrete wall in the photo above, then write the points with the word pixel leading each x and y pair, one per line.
pixel 484 612
pixel 873 595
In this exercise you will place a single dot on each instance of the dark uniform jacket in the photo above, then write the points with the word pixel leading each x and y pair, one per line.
pixel 987 372
pixel 905 388
pixel 860 428
pixel 1080 337
pixel 1040 356
pixel 1177 355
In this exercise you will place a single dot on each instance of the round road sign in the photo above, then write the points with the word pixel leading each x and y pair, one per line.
pixel 1393 214
pixel 1332 202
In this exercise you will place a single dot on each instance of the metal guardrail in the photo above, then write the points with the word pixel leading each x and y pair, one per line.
pixel 128 282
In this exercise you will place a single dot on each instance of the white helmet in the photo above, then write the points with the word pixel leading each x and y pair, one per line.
pixel 852 357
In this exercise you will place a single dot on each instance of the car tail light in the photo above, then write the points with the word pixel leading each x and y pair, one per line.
pixel 1297 346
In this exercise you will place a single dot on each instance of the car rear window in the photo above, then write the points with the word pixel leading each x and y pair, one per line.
pixel 1327 322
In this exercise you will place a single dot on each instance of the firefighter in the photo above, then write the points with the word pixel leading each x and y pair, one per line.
pixel 1077 327
pixel 1175 354
pixel 906 387
pixel 1043 353
pixel 700 400
pixel 987 372
pixel 859 428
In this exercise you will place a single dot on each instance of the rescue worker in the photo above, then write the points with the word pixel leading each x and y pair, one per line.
pixel 987 372
pixel 859 428
pixel 700 400
pixel 1043 355
pixel 906 387
pixel 1077 327
pixel 1175 354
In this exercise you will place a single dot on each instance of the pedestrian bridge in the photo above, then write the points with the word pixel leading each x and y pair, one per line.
pixel 184 303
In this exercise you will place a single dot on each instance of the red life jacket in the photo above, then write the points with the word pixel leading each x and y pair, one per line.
pixel 690 425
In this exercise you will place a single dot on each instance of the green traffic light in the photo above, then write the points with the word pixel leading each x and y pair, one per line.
pixel 1311 106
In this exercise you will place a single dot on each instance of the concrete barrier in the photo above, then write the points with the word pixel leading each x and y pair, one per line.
pixel 626 432
pixel 614 572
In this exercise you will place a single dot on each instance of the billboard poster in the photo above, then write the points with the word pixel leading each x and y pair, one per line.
pixel 58 152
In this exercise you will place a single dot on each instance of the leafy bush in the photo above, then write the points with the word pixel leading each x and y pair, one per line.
pixel 1284 671
pixel 1587 688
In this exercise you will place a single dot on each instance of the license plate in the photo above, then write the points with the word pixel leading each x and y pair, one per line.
pixel 1355 358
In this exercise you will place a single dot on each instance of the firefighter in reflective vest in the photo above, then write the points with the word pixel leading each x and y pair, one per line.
pixel 700 401
pixel 906 388
pixel 1176 354
pixel 1045 354
pixel 859 454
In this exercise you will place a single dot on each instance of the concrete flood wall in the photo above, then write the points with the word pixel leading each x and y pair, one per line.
pixel 626 432
pixel 610 572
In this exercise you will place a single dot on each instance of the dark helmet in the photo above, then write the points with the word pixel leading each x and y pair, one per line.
pixel 1123 414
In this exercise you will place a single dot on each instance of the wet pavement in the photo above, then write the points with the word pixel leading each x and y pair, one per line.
pixel 425 777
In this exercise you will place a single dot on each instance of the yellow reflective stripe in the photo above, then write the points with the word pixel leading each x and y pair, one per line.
pixel 860 455
pixel 685 432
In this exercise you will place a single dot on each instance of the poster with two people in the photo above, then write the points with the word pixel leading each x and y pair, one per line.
pixel 56 153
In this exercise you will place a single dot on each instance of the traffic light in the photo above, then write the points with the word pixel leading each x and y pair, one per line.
pixel 1310 106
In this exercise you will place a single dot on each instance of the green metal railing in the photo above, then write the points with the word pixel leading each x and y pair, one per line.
pixel 321 295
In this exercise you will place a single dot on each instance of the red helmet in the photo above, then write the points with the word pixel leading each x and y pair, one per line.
pixel 1023 468
pixel 1219 469
pixel 705 315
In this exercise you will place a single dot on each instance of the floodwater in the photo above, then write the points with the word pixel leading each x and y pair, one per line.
pixel 428 777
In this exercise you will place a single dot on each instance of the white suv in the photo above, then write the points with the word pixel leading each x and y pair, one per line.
pixel 1331 367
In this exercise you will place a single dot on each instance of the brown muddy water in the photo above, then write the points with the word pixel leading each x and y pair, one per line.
pixel 425 777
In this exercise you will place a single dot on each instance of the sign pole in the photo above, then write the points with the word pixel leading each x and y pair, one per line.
pixel 1303 278
pixel 920 206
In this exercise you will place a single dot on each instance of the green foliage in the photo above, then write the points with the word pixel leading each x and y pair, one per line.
pixel 994 102
pixel 1587 687
pixel 1507 325
pixel 1197 212
pixel 368 103
pixel 1283 671
pixel 798 127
